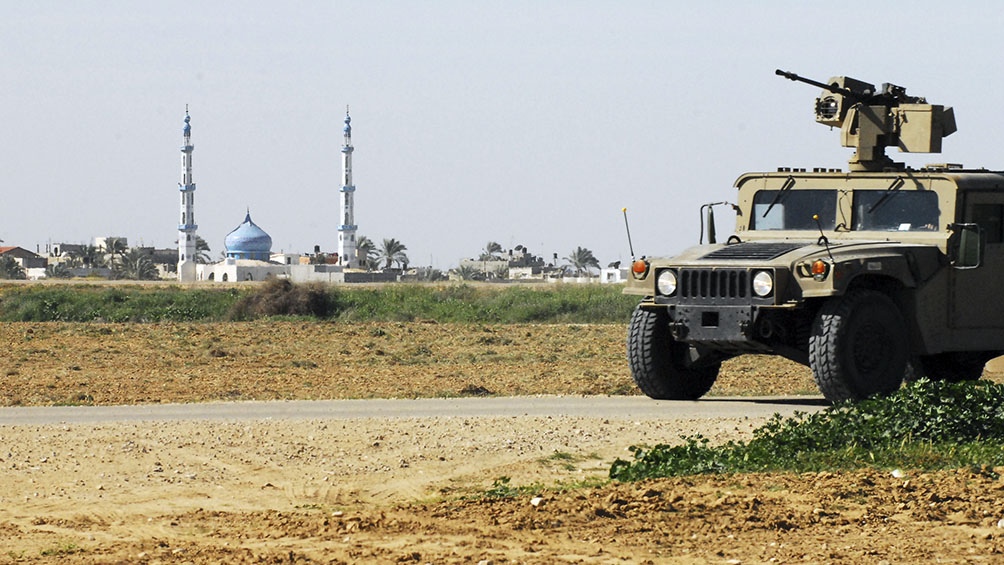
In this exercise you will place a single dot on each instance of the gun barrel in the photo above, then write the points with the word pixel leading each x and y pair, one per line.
pixel 829 87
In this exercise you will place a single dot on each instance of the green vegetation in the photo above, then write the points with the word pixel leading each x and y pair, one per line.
pixel 118 303
pixel 502 489
pixel 926 425
pixel 61 550
pixel 561 303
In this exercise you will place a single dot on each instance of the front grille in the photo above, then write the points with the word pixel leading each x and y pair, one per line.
pixel 714 283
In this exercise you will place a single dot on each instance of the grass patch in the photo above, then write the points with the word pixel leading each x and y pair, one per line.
pixel 502 489
pixel 565 460
pixel 104 303
pixel 926 425
pixel 61 550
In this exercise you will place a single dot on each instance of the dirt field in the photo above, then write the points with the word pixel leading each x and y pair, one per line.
pixel 423 490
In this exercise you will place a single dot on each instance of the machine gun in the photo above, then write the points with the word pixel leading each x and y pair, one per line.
pixel 871 120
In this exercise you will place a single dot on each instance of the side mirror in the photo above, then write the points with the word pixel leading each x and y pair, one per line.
pixel 966 250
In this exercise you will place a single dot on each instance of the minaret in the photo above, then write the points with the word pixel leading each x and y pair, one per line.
pixel 347 229
pixel 187 227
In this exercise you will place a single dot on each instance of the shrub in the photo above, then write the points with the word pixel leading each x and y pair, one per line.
pixel 926 425
pixel 279 297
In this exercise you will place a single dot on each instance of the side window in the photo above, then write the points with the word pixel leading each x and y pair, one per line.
pixel 990 217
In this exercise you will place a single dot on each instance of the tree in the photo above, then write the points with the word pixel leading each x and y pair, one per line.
pixel 366 252
pixel 137 265
pixel 11 269
pixel 501 272
pixel 115 246
pixel 582 260
pixel 393 251
pixel 492 252
pixel 89 256
pixel 202 251
pixel 468 273
pixel 58 271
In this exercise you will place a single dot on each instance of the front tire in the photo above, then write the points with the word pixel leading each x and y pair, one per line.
pixel 663 368
pixel 859 346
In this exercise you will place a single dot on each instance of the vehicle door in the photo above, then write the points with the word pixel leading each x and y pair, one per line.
pixel 977 294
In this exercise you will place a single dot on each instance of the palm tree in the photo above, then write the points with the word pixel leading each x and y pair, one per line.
pixel 393 252
pixel 492 252
pixel 468 273
pixel 202 251
pixel 58 271
pixel 366 251
pixel 582 259
pixel 11 269
pixel 114 246
pixel 88 256
pixel 137 265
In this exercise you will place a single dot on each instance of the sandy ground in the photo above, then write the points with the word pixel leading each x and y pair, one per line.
pixel 433 490
pixel 443 490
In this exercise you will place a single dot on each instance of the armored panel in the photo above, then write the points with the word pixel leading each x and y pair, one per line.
pixel 921 127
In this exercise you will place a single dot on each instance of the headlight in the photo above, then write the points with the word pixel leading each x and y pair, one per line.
pixel 763 284
pixel 666 283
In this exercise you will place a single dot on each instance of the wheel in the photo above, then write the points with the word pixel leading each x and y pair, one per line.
pixel 952 367
pixel 663 368
pixel 859 346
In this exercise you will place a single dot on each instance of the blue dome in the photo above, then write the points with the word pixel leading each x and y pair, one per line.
pixel 248 241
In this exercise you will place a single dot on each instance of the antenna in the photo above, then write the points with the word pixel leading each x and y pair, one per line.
pixel 822 237
pixel 627 228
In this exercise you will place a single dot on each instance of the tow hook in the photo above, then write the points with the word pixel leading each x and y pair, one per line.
pixel 679 330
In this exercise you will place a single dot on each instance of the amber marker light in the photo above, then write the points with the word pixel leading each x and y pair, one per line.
pixel 819 269
pixel 639 268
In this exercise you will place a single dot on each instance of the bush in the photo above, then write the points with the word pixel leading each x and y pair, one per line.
pixel 926 425
pixel 279 297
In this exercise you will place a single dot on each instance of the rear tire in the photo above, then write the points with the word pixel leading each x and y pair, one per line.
pixel 859 346
pixel 663 368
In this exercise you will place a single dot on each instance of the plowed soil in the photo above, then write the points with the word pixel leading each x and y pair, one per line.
pixel 434 490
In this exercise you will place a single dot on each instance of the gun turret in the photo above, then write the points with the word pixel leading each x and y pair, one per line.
pixel 871 120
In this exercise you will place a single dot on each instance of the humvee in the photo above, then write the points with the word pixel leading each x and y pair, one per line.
pixel 870 276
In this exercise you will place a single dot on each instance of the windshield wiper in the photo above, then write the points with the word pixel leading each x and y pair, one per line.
pixel 788 183
pixel 897 184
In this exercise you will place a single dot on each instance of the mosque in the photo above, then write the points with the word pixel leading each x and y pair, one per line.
pixel 248 248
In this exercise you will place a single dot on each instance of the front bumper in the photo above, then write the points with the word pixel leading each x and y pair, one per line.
pixel 711 323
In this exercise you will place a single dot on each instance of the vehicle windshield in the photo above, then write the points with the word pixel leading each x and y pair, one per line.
pixel 794 210
pixel 895 210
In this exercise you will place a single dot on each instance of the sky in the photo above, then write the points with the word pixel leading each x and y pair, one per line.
pixel 524 123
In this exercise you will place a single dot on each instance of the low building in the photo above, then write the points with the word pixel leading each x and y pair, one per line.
pixel 33 264
pixel 25 258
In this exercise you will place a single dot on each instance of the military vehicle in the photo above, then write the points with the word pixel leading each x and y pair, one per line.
pixel 870 276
